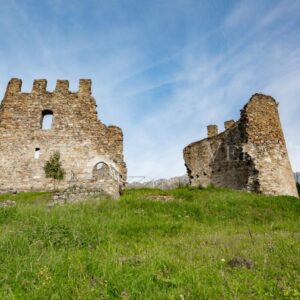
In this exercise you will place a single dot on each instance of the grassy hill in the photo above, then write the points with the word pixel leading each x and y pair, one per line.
pixel 180 244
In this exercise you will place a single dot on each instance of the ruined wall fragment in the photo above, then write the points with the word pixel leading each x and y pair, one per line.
pixel 82 140
pixel 250 154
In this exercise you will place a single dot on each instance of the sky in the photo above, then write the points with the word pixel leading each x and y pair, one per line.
pixel 162 70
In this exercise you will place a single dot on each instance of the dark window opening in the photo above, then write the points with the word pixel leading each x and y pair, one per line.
pixel 37 153
pixel 47 117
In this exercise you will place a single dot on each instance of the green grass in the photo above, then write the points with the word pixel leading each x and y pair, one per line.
pixel 137 248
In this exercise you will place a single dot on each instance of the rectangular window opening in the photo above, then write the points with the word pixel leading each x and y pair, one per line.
pixel 47 117
pixel 37 153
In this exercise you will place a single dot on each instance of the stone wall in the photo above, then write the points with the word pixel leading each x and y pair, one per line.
pixel 91 152
pixel 75 195
pixel 249 155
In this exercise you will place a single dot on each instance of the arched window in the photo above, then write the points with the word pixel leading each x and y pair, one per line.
pixel 100 165
pixel 101 171
pixel 47 117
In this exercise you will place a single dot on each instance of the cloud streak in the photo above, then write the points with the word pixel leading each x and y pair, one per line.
pixel 161 71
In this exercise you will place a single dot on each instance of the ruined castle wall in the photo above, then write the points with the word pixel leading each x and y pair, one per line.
pixel 231 167
pixel 82 140
pixel 250 154
pixel 200 170
pixel 218 160
pixel 266 144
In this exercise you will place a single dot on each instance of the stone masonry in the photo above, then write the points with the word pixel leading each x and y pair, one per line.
pixel 250 154
pixel 91 152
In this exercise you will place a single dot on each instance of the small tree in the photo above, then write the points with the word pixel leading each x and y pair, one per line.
pixel 53 169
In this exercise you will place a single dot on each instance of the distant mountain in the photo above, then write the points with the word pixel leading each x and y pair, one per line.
pixel 164 184
pixel 173 182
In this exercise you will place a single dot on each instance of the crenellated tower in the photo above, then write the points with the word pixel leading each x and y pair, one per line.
pixel 62 121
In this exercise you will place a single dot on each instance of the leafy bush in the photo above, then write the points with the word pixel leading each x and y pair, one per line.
pixel 53 168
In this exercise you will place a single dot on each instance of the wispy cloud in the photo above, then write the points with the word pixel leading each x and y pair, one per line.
pixel 161 70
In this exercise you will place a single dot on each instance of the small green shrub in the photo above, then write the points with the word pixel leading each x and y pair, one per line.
pixel 53 169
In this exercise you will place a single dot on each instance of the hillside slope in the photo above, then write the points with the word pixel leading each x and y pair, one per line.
pixel 178 244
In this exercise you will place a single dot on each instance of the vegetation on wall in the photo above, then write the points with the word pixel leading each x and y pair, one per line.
pixel 53 169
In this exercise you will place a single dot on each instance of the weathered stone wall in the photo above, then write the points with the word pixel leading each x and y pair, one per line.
pixel 91 152
pixel 250 154
pixel 75 195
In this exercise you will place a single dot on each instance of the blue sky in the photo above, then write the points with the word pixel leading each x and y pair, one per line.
pixel 161 70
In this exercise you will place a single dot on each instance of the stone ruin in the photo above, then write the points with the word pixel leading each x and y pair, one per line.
pixel 35 125
pixel 250 154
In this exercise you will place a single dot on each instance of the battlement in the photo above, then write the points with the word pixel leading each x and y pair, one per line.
pixel 85 86
pixel 14 86
pixel 40 86
pixel 62 86
pixel 229 124
pixel 212 130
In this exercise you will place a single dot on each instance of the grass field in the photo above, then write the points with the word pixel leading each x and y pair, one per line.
pixel 149 247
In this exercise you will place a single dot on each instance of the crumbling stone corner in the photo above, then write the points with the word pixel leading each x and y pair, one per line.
pixel 250 154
